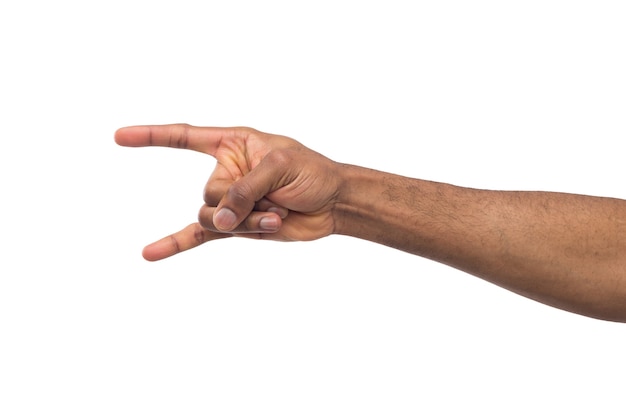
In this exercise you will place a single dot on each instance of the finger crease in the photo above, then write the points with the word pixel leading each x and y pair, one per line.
pixel 199 235
pixel 175 244
pixel 183 139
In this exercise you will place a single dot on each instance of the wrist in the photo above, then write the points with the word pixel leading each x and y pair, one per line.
pixel 396 211
pixel 360 204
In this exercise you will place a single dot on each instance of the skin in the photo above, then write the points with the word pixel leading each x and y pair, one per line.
pixel 564 250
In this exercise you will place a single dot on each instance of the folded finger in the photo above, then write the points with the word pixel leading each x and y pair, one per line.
pixel 215 190
pixel 255 222
pixel 265 204
pixel 242 195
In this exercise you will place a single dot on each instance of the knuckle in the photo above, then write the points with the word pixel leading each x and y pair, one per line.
pixel 175 244
pixel 249 224
pixel 199 234
pixel 280 157
pixel 240 194
pixel 178 135
pixel 210 197
pixel 205 219
pixel 243 132
pixel 181 139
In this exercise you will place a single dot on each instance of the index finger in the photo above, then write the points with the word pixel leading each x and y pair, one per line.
pixel 183 136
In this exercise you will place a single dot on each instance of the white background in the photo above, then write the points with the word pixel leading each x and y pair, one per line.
pixel 488 94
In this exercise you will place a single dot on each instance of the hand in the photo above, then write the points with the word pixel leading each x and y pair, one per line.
pixel 264 186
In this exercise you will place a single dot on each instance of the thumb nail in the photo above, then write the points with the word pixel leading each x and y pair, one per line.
pixel 224 219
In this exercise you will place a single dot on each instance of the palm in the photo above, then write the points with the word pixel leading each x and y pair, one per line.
pixel 307 195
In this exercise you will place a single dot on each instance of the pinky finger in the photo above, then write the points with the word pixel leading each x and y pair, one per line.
pixel 188 238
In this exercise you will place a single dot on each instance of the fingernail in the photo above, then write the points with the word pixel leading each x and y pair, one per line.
pixel 225 219
pixel 269 223
pixel 282 212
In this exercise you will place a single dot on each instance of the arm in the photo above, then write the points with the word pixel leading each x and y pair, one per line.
pixel 565 250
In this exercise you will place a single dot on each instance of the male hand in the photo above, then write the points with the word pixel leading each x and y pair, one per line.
pixel 264 186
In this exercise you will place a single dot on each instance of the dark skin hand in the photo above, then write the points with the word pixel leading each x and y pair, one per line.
pixel 564 250
pixel 280 200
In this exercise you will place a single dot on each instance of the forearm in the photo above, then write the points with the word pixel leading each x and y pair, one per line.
pixel 564 250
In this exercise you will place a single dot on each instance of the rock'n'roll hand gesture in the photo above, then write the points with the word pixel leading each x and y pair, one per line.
pixel 263 186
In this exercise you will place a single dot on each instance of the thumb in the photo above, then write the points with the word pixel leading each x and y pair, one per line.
pixel 241 197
